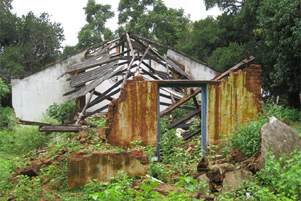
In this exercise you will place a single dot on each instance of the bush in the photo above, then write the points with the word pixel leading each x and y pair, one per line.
pixel 281 112
pixel 283 175
pixel 58 111
pixel 7 118
pixel 22 140
pixel 247 138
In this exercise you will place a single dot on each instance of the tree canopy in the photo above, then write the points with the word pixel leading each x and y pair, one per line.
pixel 95 30
pixel 269 30
pixel 27 43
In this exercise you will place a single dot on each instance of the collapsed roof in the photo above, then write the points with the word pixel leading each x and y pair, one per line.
pixel 122 58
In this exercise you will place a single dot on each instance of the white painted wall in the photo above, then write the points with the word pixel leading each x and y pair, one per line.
pixel 32 95
pixel 198 71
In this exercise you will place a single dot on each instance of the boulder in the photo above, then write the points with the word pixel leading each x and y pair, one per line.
pixel 278 137
pixel 233 180
pixel 204 180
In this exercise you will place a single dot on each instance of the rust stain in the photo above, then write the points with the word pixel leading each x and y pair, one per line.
pixel 233 102
pixel 104 165
pixel 133 116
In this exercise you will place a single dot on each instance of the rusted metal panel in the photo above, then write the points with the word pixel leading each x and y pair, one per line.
pixel 233 102
pixel 133 115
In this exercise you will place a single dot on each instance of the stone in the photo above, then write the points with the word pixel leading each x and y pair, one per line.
pixel 223 167
pixel 233 180
pixel 278 137
pixel 102 165
pixel 206 181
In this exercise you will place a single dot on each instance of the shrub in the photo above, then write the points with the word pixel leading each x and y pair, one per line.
pixel 283 175
pixel 58 111
pixel 22 140
pixel 7 118
pixel 281 112
pixel 247 138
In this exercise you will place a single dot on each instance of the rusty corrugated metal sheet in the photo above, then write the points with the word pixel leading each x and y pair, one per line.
pixel 233 102
pixel 133 116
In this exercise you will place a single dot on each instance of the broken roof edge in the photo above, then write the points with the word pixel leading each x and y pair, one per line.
pixel 167 47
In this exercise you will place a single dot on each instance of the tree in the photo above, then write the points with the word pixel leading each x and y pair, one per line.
pixel 280 22
pixel 224 5
pixel 95 31
pixel 27 43
pixel 152 19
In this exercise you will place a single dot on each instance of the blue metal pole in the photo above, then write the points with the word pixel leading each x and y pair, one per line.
pixel 158 124
pixel 204 118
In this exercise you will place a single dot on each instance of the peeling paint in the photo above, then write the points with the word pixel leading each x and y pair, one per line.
pixel 233 102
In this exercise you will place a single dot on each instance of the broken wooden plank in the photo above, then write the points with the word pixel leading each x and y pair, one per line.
pixel 133 58
pixel 245 61
pixel 177 104
pixel 84 90
pixel 84 109
pixel 185 118
pixel 32 123
pixel 188 136
pixel 177 69
pixel 141 60
pixel 87 76
pixel 183 126
pixel 60 128
pixel 94 63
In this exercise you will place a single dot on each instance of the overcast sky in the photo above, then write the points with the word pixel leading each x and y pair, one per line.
pixel 71 15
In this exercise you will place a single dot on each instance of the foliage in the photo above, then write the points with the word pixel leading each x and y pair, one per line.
pixel 223 58
pixel 187 183
pixel 282 112
pixel 278 180
pixel 280 23
pixel 23 139
pixel 99 122
pixel 58 111
pixel 31 37
pixel 152 19
pixel 247 138
pixel 283 175
pixel 4 90
pixel 7 118
pixel 95 31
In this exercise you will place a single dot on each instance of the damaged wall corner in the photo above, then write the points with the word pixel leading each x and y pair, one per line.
pixel 133 115
pixel 234 101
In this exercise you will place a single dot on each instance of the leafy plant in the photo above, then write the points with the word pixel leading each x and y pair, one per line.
pixel 58 111
pixel 247 138
pixel 4 90
pixel 7 118
pixel 283 175
pixel 22 140
pixel 188 183
pixel 99 122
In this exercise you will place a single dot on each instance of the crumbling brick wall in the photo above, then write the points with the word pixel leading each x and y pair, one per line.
pixel 133 115
pixel 233 102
